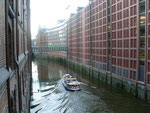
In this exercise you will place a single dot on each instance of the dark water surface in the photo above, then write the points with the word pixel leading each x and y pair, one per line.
pixel 49 95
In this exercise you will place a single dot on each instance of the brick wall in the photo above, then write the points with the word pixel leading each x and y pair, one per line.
pixel 2 32
pixel 3 99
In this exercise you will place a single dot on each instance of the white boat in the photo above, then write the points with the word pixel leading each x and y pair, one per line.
pixel 70 83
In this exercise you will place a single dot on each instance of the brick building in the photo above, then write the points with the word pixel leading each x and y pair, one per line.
pixel 113 37
pixel 15 56
pixel 53 41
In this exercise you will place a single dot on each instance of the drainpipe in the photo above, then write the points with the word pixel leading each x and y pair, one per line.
pixel 91 56
pixel 91 59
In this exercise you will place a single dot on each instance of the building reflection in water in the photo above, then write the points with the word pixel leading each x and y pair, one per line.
pixel 48 73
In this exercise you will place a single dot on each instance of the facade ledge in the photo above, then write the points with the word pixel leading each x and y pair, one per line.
pixel 20 59
pixel 11 12
pixel 12 73
pixel 27 52
pixel 4 75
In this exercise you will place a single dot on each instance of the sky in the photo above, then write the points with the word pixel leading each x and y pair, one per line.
pixel 46 13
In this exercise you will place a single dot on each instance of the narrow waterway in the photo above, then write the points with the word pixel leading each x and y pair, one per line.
pixel 49 95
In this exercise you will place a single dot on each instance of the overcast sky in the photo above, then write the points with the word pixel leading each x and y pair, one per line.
pixel 48 12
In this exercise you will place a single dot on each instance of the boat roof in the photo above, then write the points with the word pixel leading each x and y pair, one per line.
pixel 70 78
pixel 74 83
pixel 66 75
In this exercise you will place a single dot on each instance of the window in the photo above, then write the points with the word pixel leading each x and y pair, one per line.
pixel 125 3
pixel 109 27
pixel 142 7
pixel 104 66
pixel 114 52
pixel 135 43
pixel 119 71
pixel 142 30
pixel 148 79
pixel 142 54
pixel 114 17
pixel 113 8
pixel 119 26
pixel 113 1
pixel 10 49
pixel 126 23
pixel 119 15
pixel 125 73
pixel 104 21
pixel 149 32
pixel 104 5
pixel 149 5
pixel 108 2
pixel 104 13
pixel 126 13
pixel 119 34
pixel 142 19
pixel 126 63
pixel 133 11
pixel 126 43
pixel 108 35
pixel 134 64
pixel 114 69
pixel 142 63
pixel 119 43
pixel 134 75
pixel 120 55
pixel 114 61
pixel 133 2
pixel 148 66
pixel 142 42
pixel 133 21
pixel 120 62
pixel 104 28
pixel 113 35
pixel 148 42
pixel 113 26
pixel 126 33
pixel 133 32
pixel 126 53
pixel 108 65
pixel 108 19
pixel 141 73
pixel 131 74
pixel 148 54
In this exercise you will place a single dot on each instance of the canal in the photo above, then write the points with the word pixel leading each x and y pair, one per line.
pixel 49 95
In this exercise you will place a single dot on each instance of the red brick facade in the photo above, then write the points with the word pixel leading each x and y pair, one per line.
pixel 116 38
pixel 53 41
pixel 2 33
pixel 15 56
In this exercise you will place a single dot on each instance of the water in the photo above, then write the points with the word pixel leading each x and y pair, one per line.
pixel 49 95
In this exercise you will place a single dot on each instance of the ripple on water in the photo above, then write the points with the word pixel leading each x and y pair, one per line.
pixel 51 97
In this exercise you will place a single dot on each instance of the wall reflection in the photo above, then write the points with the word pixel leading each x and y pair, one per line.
pixel 48 72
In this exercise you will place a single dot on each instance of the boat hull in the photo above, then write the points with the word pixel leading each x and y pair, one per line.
pixel 70 89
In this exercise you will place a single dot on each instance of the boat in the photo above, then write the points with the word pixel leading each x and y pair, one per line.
pixel 71 83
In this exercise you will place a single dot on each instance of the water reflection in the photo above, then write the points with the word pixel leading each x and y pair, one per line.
pixel 49 95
